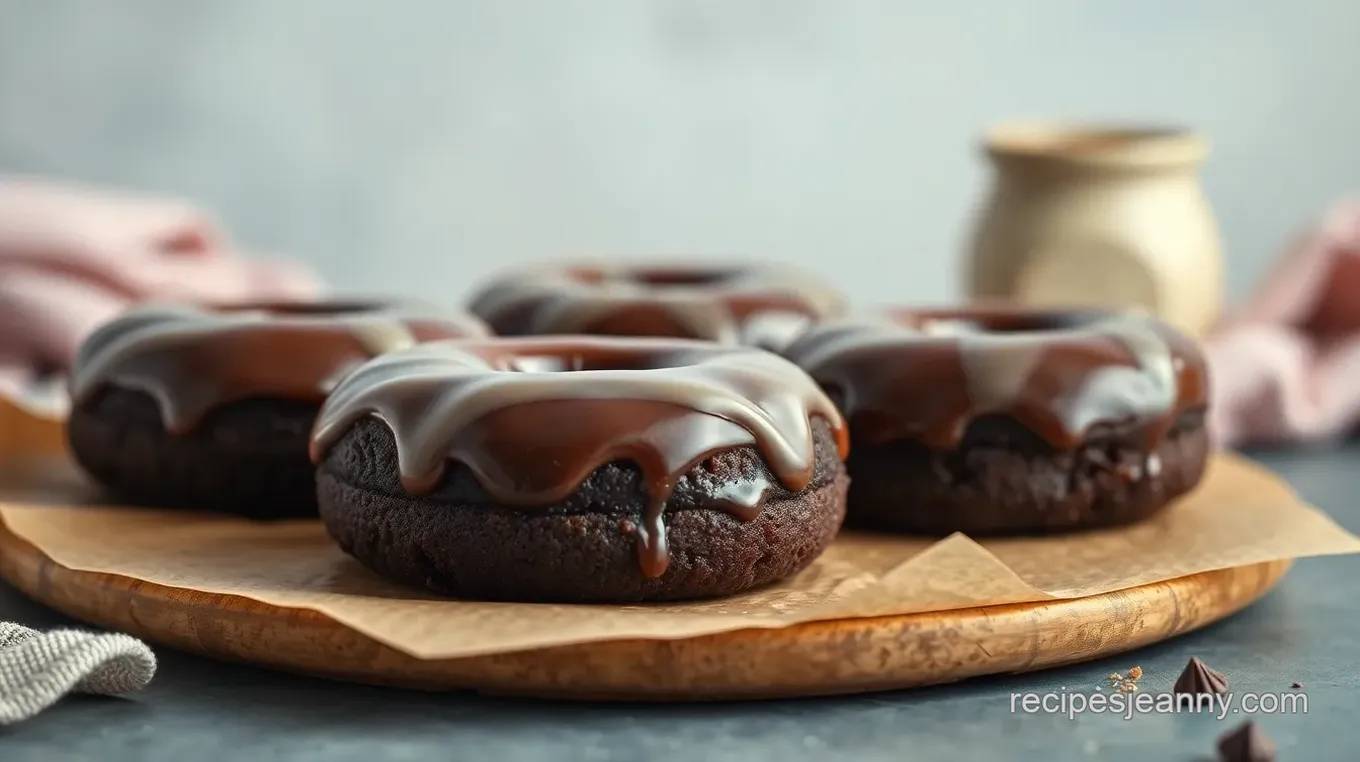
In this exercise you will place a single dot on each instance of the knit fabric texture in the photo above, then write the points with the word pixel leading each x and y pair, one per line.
pixel 38 668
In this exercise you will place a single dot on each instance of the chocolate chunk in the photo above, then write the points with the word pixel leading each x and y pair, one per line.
pixel 1198 678
pixel 1246 743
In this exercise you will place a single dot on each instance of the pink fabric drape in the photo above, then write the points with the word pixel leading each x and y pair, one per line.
pixel 1286 362
pixel 72 257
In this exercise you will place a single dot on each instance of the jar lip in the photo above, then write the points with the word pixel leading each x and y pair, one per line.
pixel 1130 145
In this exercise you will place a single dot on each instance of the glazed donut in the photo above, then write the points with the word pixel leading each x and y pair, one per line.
pixel 581 469
pixel 1011 421
pixel 179 406
pixel 710 303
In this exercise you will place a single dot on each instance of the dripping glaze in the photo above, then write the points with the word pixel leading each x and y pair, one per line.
pixel 532 418
pixel 192 360
pixel 711 303
pixel 927 374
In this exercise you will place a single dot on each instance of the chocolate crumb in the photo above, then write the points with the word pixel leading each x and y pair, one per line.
pixel 1296 685
pixel 1198 678
pixel 1246 743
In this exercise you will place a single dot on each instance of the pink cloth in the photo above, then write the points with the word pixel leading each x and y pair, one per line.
pixel 72 257
pixel 1286 362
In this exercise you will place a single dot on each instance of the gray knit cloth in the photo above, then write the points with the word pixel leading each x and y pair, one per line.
pixel 38 668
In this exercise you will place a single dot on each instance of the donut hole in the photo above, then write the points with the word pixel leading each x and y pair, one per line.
pixel 657 277
pixel 574 362
pixel 305 309
pixel 678 277
pixel 567 363
pixel 996 321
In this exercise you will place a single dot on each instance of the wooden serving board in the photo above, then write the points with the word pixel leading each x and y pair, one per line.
pixel 821 658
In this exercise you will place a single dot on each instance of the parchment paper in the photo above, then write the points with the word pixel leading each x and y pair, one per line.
pixel 1240 515
pixel 35 424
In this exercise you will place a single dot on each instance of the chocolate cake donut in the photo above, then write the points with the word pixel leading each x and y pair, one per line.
pixel 183 407
pixel 1012 421
pixel 581 469
pixel 710 303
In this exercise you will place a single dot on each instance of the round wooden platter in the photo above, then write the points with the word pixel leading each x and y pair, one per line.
pixel 820 658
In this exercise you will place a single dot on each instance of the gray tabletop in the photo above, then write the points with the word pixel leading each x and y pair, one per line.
pixel 1307 631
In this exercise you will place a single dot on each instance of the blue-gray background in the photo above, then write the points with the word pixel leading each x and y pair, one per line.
pixel 417 146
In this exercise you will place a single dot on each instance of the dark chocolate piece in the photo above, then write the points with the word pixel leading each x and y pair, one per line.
pixel 1296 685
pixel 1198 678
pixel 1246 743
pixel 693 302
pixel 532 419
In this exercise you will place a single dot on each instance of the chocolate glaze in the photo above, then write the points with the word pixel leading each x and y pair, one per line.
pixel 192 360
pixel 532 418
pixel 926 375
pixel 690 302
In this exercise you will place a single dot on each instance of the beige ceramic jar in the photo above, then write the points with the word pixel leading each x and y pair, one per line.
pixel 1105 217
